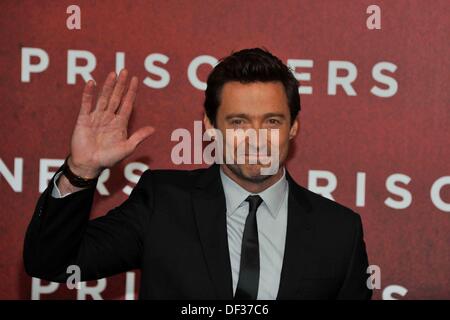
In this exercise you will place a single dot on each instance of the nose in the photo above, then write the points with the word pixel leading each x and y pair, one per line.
pixel 258 142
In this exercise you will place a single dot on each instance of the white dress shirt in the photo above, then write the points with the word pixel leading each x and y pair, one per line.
pixel 272 224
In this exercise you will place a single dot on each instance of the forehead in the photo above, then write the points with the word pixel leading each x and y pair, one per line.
pixel 253 98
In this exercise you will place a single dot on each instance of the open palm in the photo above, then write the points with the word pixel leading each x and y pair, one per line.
pixel 100 138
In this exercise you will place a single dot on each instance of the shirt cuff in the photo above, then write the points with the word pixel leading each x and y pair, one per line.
pixel 55 192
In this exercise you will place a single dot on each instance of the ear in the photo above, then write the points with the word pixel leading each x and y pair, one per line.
pixel 294 129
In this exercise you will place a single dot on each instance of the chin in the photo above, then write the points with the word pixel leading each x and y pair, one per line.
pixel 250 172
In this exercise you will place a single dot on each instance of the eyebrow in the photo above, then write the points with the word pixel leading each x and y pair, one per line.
pixel 244 115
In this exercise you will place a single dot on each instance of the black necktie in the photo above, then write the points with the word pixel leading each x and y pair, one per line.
pixel 247 287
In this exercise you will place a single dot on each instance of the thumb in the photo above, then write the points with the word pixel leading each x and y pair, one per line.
pixel 139 136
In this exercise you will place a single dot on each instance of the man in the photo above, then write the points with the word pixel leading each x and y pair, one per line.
pixel 224 232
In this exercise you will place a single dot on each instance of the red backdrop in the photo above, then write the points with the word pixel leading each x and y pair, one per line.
pixel 403 136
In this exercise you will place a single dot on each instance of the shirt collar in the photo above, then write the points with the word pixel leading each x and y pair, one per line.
pixel 272 197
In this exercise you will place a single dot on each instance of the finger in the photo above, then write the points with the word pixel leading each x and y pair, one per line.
pixel 86 99
pixel 117 93
pixel 127 104
pixel 108 87
pixel 139 136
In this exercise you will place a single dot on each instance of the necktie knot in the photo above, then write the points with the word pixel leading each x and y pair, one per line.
pixel 254 202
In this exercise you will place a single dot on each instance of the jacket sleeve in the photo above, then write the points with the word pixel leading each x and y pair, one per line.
pixel 355 283
pixel 60 234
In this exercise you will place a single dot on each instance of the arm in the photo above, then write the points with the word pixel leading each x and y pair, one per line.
pixel 60 234
pixel 355 286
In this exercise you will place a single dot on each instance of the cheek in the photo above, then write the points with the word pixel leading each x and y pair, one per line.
pixel 279 139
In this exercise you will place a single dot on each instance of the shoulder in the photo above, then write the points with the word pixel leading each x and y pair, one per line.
pixel 328 211
pixel 173 178
pixel 336 226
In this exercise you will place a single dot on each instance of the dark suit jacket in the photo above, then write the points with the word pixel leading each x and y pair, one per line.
pixel 173 228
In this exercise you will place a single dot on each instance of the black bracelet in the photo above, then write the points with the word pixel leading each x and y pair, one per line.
pixel 75 180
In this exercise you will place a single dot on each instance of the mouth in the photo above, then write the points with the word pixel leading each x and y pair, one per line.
pixel 258 158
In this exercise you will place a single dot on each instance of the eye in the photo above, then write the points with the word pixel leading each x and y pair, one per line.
pixel 237 122
pixel 274 121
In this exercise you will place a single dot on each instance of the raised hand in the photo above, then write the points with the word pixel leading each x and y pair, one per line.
pixel 100 138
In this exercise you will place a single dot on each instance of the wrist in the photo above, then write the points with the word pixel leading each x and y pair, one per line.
pixel 83 171
pixel 81 177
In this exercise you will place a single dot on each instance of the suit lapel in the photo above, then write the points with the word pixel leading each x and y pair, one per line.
pixel 210 214
pixel 298 245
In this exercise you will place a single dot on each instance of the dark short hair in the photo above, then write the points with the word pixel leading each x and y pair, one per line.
pixel 247 66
